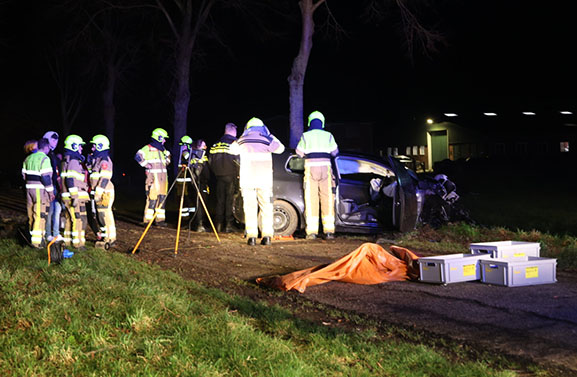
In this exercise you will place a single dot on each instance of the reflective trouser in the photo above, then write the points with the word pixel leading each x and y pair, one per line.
pixel 106 217
pixel 156 187
pixel 76 221
pixel 37 208
pixel 318 186
pixel 188 205
pixel 255 198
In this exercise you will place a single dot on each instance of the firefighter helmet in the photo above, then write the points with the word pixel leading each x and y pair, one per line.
pixel 101 142
pixel 316 115
pixel 159 134
pixel 72 142
pixel 254 122
pixel 185 140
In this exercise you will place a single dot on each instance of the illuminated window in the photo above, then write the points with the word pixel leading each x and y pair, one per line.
pixel 415 150
pixel 395 151
pixel 422 150
pixel 564 146
pixel 389 151
pixel 408 151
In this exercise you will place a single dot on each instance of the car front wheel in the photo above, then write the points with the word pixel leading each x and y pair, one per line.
pixel 285 218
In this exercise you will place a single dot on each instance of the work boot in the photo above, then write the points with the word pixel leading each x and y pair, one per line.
pixel 229 227
pixel 200 228
pixel 219 227
pixel 329 236
pixel 265 241
pixel 311 236
pixel 251 241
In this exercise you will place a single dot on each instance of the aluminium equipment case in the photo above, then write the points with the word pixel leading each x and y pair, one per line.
pixel 452 268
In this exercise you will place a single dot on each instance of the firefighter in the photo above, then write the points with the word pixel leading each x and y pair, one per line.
pixel 102 188
pixel 224 165
pixel 74 191
pixel 37 172
pixel 155 158
pixel 318 146
pixel 201 175
pixel 255 147
pixel 183 181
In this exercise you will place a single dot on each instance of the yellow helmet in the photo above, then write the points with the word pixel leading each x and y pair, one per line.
pixel 72 142
pixel 159 134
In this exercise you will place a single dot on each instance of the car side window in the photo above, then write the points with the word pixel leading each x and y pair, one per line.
pixel 359 169
pixel 296 164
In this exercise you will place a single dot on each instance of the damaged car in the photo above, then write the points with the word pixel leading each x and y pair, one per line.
pixel 372 194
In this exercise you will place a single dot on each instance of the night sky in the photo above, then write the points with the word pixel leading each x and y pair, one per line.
pixel 505 52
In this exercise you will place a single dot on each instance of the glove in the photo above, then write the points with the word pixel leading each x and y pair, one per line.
pixel 105 199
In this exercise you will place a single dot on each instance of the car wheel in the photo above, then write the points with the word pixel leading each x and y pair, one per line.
pixel 285 218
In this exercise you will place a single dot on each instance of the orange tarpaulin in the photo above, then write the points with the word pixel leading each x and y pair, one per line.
pixel 369 264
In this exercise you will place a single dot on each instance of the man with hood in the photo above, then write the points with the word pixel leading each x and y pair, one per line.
pixel 154 157
pixel 55 209
pixel 74 191
pixel 255 147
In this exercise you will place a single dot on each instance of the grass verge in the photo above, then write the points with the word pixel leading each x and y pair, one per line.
pixel 102 313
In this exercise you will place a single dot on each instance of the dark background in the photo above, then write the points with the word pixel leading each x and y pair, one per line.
pixel 508 54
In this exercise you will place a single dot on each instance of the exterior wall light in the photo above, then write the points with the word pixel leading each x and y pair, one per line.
pixel 450 114
pixel 566 112
pixel 490 114
pixel 430 121
pixel 528 113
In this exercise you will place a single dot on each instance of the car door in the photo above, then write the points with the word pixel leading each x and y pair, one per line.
pixel 405 201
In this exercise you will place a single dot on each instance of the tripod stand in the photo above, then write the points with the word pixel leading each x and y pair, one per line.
pixel 185 169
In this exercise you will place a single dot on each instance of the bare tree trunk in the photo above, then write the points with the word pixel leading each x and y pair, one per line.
pixel 297 77
pixel 182 94
pixel 109 110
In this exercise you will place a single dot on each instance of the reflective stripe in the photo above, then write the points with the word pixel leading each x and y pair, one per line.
pixel 156 170
pixel 317 163
pixel 183 180
pixel 34 186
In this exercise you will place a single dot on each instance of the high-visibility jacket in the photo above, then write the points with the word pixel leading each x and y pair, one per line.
pixel 37 172
pixel 101 175
pixel 255 148
pixel 317 146
pixel 75 178
pixel 153 159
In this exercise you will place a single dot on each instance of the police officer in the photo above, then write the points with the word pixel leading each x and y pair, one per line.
pixel 155 158
pixel 184 180
pixel 318 146
pixel 74 191
pixel 102 187
pixel 224 165
pixel 37 172
pixel 255 147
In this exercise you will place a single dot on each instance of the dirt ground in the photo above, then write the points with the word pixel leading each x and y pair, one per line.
pixel 534 323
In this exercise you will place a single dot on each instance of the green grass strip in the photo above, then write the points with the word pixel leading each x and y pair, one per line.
pixel 105 314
